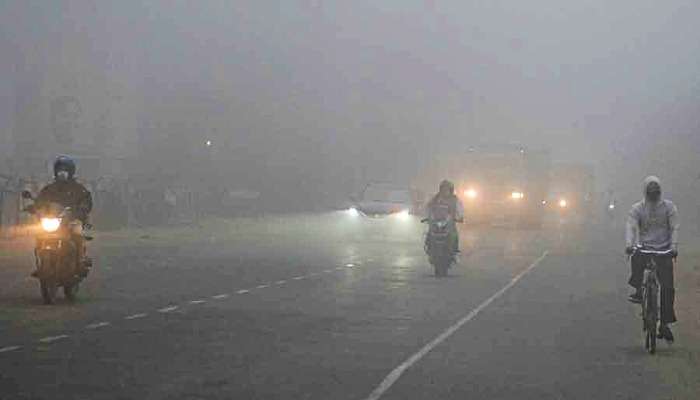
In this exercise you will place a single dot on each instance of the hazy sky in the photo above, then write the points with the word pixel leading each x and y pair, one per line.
pixel 396 79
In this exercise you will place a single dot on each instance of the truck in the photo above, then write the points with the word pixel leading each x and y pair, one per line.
pixel 498 184
pixel 572 190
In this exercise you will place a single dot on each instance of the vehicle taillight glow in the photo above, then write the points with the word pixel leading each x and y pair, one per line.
pixel 50 224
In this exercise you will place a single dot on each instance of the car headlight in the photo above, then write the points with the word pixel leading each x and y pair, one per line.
pixel 50 224
pixel 352 211
pixel 471 193
pixel 611 206
pixel 517 195
pixel 403 214
pixel 563 203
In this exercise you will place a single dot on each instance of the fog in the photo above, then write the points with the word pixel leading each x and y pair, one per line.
pixel 304 101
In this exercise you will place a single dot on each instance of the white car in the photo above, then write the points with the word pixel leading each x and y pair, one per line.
pixel 381 199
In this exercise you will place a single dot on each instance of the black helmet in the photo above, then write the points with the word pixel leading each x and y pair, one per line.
pixel 448 186
pixel 65 164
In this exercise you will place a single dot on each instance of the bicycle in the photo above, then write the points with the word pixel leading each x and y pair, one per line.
pixel 650 295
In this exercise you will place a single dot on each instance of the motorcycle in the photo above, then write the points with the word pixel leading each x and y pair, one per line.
pixel 56 253
pixel 438 245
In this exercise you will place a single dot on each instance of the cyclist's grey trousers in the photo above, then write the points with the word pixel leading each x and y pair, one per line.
pixel 664 268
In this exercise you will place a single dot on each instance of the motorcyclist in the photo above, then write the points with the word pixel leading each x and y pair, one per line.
pixel 68 192
pixel 653 223
pixel 446 204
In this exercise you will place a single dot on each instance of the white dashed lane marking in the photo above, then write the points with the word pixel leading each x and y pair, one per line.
pixel 136 316
pixel 51 339
pixel 9 349
pixel 168 309
pixel 97 325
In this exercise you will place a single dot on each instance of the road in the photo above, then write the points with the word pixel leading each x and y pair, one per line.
pixel 328 307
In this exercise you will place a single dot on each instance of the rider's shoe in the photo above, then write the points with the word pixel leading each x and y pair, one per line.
pixel 665 333
pixel 636 297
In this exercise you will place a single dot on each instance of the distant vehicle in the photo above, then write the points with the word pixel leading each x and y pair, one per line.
pixel 385 199
pixel 500 184
pixel 572 190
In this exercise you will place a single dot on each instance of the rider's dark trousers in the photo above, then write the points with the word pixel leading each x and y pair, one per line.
pixel 664 268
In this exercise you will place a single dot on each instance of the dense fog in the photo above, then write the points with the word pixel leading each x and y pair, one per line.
pixel 294 105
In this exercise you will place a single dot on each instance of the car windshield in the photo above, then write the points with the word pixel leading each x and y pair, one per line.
pixel 388 195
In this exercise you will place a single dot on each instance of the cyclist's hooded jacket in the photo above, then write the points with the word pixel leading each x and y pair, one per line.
pixel 652 224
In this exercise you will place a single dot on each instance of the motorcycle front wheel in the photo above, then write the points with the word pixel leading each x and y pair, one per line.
pixel 70 291
pixel 47 282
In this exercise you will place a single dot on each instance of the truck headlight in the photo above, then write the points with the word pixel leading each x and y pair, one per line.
pixel 471 194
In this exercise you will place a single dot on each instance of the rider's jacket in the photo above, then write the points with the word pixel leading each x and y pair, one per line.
pixel 442 207
pixel 68 193
pixel 653 224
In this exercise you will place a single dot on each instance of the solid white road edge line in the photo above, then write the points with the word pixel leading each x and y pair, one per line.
pixel 394 375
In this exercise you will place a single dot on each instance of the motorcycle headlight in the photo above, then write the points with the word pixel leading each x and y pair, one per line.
pixel 611 206
pixel 352 211
pixel 50 224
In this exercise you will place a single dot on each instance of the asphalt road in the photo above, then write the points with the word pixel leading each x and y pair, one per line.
pixel 325 307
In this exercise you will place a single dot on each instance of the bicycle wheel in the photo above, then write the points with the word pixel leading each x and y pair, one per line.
pixel 651 319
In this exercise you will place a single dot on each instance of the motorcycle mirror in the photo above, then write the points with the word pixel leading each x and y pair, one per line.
pixel 26 194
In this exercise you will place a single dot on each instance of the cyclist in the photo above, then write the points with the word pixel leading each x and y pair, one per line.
pixel 653 222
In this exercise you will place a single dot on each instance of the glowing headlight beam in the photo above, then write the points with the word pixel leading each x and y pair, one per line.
pixel 517 195
pixel 403 214
pixel 50 224
pixel 352 211
pixel 563 203
pixel 471 193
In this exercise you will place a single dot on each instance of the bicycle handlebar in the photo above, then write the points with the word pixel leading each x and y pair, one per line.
pixel 640 250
